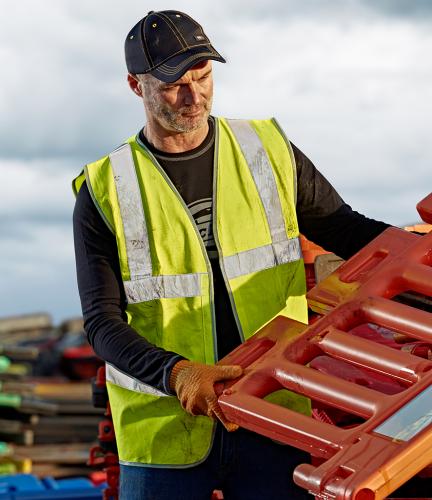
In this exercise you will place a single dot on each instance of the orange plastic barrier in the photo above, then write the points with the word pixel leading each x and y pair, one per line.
pixel 419 228
pixel 310 251
pixel 392 440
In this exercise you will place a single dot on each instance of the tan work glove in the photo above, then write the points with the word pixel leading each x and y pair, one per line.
pixel 194 385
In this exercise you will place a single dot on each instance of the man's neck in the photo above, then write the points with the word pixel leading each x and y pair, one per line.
pixel 175 142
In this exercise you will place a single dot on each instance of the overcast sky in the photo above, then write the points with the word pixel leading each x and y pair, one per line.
pixel 349 80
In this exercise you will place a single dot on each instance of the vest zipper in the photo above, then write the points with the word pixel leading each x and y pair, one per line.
pixel 215 234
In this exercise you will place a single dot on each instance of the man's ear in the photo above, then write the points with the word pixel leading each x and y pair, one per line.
pixel 134 84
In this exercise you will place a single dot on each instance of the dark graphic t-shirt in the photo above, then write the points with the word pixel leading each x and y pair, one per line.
pixel 201 211
pixel 192 174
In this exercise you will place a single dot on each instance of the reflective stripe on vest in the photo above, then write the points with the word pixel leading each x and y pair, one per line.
pixel 143 286
pixel 282 249
pixel 132 213
pixel 115 376
pixel 262 173
pixel 162 287
pixel 257 259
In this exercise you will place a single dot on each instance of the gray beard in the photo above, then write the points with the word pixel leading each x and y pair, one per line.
pixel 171 118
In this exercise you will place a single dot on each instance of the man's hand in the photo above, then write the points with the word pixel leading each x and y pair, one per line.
pixel 194 385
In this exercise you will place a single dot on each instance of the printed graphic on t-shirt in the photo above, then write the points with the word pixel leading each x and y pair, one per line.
pixel 201 211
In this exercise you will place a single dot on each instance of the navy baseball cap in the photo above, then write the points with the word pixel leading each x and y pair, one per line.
pixel 166 44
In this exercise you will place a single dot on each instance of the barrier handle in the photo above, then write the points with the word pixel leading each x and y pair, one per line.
pixel 424 208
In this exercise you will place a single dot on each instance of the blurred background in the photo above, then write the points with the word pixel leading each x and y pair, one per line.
pixel 349 80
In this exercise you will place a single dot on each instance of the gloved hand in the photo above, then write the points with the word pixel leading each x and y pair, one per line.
pixel 194 385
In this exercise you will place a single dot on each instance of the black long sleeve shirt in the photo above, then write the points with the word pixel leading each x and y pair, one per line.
pixel 322 215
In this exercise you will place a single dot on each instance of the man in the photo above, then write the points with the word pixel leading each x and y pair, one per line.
pixel 186 244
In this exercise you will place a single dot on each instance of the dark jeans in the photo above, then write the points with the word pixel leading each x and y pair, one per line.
pixel 244 465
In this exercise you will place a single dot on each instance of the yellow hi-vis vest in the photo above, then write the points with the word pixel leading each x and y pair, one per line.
pixel 167 275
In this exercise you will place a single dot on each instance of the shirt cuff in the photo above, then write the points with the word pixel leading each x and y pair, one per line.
pixel 167 374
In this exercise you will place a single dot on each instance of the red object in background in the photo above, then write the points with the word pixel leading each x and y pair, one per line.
pixel 98 477
pixel 80 363
pixel 109 461
pixel 105 455
pixel 393 440
pixel 113 475
pixel 85 351
pixel 99 457
pixel 106 430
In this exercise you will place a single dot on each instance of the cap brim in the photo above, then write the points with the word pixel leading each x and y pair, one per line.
pixel 176 67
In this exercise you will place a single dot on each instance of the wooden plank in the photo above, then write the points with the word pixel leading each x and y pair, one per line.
pixel 39 321
pixel 58 471
pixel 24 437
pixel 61 453
pixel 72 325
pixel 71 391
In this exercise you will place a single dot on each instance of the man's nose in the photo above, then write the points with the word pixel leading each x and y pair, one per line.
pixel 192 96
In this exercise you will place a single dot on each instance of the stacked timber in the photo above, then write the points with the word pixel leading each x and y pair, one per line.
pixel 47 421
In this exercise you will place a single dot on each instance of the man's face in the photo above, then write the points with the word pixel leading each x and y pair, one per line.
pixel 182 106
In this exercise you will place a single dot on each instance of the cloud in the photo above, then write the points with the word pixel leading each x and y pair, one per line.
pixel 402 8
pixel 335 11
pixel 349 80
pixel 36 244
pixel 38 273
pixel 65 80
pixel 359 110
pixel 37 188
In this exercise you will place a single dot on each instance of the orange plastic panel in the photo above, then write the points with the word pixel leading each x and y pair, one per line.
pixel 393 440
pixel 424 208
